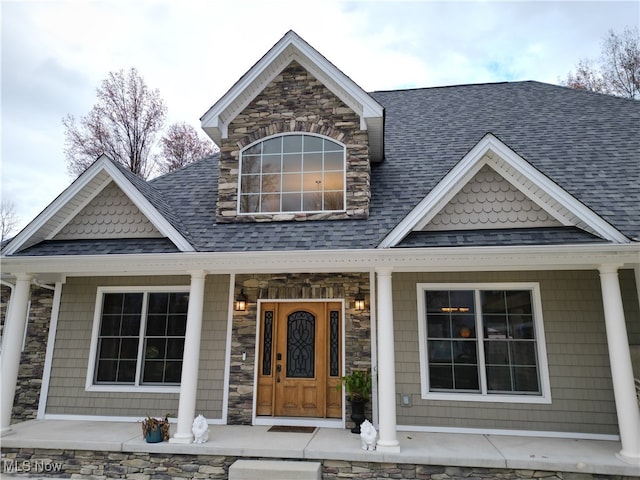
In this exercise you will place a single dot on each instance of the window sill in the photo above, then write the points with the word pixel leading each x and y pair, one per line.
pixel 477 397
pixel 133 388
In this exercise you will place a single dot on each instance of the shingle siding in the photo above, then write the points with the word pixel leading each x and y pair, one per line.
pixel 580 375
pixel 111 214
pixel 427 131
pixel 67 394
pixel 490 201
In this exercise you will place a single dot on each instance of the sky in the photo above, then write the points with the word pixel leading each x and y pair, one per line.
pixel 55 53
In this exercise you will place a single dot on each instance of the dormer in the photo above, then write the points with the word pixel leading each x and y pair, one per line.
pixel 296 138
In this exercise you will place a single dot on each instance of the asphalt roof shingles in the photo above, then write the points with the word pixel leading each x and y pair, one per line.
pixel 589 144
pixel 100 247
pixel 516 236
pixel 585 142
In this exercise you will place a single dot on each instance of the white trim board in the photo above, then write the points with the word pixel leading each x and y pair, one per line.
pixel 103 165
pixel 544 397
pixel 522 175
pixel 292 47
pixel 105 418
pixel 48 358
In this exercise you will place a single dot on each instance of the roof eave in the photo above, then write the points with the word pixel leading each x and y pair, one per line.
pixel 291 47
pixel 439 259
pixel 456 177
pixel 102 164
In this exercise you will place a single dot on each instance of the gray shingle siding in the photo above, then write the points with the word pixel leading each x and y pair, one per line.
pixel 589 144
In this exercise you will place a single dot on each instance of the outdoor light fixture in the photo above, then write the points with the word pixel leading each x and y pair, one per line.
pixel 359 301
pixel 241 301
pixel 455 309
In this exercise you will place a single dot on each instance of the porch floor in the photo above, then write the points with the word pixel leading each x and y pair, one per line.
pixel 450 449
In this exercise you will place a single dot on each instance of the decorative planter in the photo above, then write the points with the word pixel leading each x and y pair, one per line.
pixel 154 436
pixel 357 413
pixel 358 387
pixel 155 430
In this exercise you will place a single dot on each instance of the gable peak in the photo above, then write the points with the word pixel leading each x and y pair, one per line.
pixel 291 47
pixel 544 194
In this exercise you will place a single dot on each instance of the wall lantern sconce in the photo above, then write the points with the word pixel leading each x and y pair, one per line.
pixel 241 301
pixel 359 301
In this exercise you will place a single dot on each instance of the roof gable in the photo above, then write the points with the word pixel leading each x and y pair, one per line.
pixel 489 201
pixel 109 214
pixel 100 181
pixel 290 48
pixel 540 193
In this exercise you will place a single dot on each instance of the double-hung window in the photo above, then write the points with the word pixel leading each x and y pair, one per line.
pixel 482 343
pixel 138 338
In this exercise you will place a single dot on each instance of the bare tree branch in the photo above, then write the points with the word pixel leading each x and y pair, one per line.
pixel 9 220
pixel 122 124
pixel 618 72
pixel 586 78
pixel 180 146
pixel 620 63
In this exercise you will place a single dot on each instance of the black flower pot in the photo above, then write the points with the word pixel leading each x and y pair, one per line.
pixel 357 413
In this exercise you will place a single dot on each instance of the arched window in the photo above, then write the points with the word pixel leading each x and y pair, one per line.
pixel 292 173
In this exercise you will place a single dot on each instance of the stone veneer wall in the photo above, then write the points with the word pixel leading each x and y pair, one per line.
pixel 295 101
pixel 357 326
pixel 25 406
pixel 41 463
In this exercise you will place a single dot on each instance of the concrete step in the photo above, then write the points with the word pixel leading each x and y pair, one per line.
pixel 275 470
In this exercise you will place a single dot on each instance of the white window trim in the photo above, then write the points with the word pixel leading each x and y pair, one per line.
pixel 543 367
pixel 97 317
pixel 291 212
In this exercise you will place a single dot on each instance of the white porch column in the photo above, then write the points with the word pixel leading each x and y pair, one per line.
pixel 12 348
pixel 386 365
pixel 190 362
pixel 621 368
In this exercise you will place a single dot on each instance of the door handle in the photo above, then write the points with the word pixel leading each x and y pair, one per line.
pixel 278 370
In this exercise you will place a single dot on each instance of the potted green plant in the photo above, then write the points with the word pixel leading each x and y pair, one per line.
pixel 155 430
pixel 357 387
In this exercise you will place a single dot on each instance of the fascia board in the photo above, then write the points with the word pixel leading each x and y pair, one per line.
pixel 441 259
pixel 79 208
pixel 61 200
pixel 147 209
pixel 439 195
pixel 211 117
pixel 568 201
pixel 367 106
pixel 464 171
pixel 102 164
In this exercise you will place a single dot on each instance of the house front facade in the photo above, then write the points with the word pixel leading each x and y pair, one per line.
pixel 475 247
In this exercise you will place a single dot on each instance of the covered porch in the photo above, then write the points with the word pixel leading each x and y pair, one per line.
pixel 80 441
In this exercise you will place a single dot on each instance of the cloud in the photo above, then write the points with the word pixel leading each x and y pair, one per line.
pixel 55 53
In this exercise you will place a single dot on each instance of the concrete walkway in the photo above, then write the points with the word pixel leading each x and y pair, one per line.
pixel 462 450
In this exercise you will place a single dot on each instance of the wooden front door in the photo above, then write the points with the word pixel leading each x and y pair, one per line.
pixel 300 359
